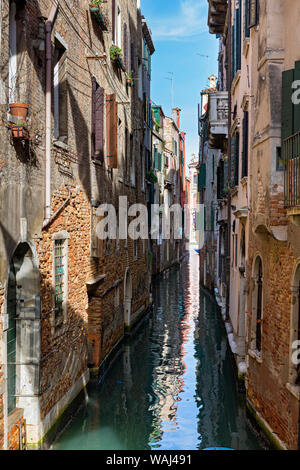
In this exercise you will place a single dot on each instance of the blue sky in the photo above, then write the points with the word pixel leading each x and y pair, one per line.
pixel 180 32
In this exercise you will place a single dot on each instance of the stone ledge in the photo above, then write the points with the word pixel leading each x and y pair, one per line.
pixel 294 389
pixel 255 356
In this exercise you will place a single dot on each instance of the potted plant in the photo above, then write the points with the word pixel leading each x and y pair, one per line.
pixel 95 8
pixel 129 78
pixel 19 110
pixel 116 57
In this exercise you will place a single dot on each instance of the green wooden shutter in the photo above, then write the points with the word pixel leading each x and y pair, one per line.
pixel 155 158
pixel 233 160
pixel 287 104
pixel 202 177
pixel 238 37
pixel 159 161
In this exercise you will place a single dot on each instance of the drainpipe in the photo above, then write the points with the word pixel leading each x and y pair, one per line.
pixel 49 27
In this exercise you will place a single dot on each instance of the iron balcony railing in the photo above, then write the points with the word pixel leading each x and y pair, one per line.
pixel 291 158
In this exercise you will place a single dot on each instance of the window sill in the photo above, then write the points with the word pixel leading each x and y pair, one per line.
pixel 294 389
pixel 254 354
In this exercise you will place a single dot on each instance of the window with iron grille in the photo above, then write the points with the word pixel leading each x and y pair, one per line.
pixel 60 276
pixel 59 281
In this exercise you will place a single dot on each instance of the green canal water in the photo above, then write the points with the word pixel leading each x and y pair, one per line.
pixel 172 386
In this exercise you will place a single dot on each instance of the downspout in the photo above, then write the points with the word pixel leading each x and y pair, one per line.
pixel 49 27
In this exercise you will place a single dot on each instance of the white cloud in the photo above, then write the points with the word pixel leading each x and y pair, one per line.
pixel 189 21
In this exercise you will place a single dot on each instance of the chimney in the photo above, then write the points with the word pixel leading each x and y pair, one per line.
pixel 212 81
pixel 176 116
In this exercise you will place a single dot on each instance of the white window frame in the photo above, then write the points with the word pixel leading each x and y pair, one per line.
pixel 118 26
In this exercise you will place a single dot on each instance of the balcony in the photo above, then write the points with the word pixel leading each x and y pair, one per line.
pixel 218 119
pixel 217 12
pixel 291 158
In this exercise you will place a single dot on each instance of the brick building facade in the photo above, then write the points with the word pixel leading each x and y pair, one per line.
pixel 66 296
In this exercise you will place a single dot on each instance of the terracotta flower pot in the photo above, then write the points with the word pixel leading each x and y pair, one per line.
pixel 19 110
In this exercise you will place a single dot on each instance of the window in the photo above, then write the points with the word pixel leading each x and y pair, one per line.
pixel 279 160
pixel 135 249
pixel 132 161
pixel 246 19
pixel 60 90
pixel 17 65
pixel 236 41
pixel 235 152
pixel 60 277
pixel 253 12
pixel 142 168
pixel 245 144
pixel 112 131
pixel 97 121
pixel 118 28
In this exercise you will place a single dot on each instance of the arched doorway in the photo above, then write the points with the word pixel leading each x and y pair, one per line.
pixel 127 297
pixel 294 376
pixel 23 334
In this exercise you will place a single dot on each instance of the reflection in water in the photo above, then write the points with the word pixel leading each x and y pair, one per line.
pixel 172 386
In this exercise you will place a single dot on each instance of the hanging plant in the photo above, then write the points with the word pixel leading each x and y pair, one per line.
pixel 116 57
pixel 129 78
pixel 151 177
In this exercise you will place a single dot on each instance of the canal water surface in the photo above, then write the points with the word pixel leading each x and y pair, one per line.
pixel 172 387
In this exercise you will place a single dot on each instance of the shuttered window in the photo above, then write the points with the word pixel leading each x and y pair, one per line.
pixel 112 131
pixel 245 144
pixel 235 144
pixel 159 161
pixel 253 9
pixel 246 19
pixel 97 121
pixel 202 177
pixel 132 54
pixel 155 158
pixel 236 50
pixel 287 104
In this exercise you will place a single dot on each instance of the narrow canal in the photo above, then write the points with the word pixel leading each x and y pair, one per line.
pixel 172 387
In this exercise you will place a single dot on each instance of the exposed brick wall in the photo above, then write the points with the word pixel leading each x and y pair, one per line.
pixel 92 324
pixel 267 381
